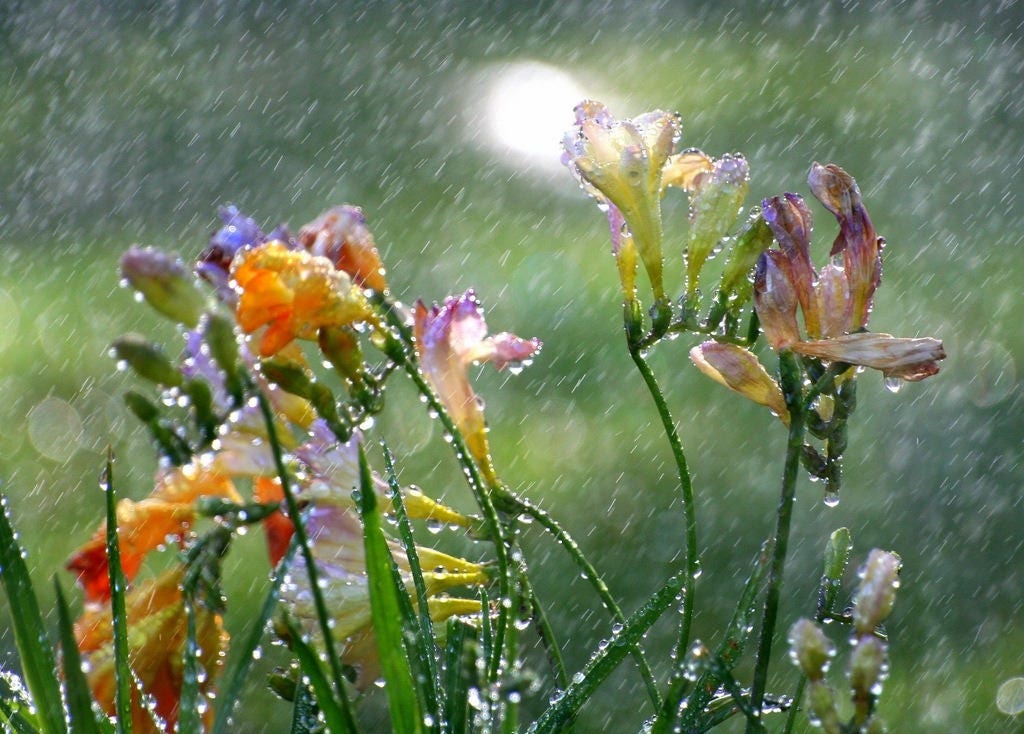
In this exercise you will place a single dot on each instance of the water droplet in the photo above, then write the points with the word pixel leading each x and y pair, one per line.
pixel 893 384
pixel 831 498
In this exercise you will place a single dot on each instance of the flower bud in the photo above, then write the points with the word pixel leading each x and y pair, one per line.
pixel 340 345
pixel 775 300
pixel 714 207
pixel 791 223
pixel 750 243
pixel 868 666
pixel 880 577
pixel 810 649
pixel 164 282
pixel 739 370
pixel 895 357
pixel 821 706
pixel 837 554
pixel 146 359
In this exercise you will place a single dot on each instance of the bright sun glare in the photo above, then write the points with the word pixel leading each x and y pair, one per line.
pixel 529 107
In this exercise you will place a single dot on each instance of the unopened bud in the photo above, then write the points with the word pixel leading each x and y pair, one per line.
pixel 289 376
pixel 146 359
pixel 837 554
pixel 164 282
pixel 810 649
pixel 821 706
pixel 868 666
pixel 750 243
pixel 340 346
pixel 880 577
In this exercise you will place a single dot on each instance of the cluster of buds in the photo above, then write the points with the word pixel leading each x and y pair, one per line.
pixel 244 337
pixel 812 651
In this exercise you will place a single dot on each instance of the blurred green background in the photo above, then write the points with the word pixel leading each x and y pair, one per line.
pixel 124 122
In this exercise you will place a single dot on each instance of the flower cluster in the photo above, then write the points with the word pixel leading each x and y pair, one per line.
pixel 243 344
pixel 868 666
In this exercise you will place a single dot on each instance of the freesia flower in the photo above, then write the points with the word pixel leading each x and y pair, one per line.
pixel 145 525
pixel 341 235
pixel 620 163
pixel 156 643
pixel 835 301
pixel 336 536
pixel 740 370
pixel 293 294
pixel 449 338
pixel 327 474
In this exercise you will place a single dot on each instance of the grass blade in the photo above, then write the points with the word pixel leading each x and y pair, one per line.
pixel 81 714
pixel 456 688
pixel 34 648
pixel 386 610
pixel 304 711
pixel 235 678
pixel 119 615
pixel 425 643
pixel 564 707
pixel 338 722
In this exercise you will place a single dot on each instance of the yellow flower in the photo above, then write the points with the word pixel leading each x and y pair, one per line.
pixel 157 629
pixel 740 370
pixel 620 163
pixel 338 549
pixel 293 294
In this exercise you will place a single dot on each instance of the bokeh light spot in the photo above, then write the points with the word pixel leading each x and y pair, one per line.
pixel 55 429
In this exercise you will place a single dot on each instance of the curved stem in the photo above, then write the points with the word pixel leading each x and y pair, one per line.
pixel 789 372
pixel 525 507
pixel 686 496
pixel 482 495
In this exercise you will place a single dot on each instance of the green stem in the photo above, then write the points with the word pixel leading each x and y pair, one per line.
pixel 294 513
pixel 789 372
pixel 482 495
pixel 686 496
pixel 525 507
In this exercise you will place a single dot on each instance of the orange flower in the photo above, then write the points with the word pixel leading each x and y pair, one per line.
pixel 293 294
pixel 340 234
pixel 158 628
pixel 145 525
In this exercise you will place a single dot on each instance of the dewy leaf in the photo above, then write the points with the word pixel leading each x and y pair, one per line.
pixel 387 611
pixel 119 615
pixel 81 715
pixel 37 659
pixel 338 721
pixel 565 706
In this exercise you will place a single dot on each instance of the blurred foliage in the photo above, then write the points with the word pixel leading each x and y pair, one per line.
pixel 127 122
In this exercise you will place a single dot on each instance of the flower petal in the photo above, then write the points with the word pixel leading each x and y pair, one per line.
pixel 906 359
pixel 740 370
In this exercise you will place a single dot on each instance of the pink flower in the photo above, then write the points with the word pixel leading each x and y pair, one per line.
pixel 449 338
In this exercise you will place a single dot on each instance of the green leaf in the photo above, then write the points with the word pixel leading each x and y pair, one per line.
pixel 425 645
pixel 34 647
pixel 564 706
pixel 386 610
pixel 81 714
pixel 338 721
pixel 118 583
pixel 236 675
pixel 456 689
pixel 726 655
pixel 305 719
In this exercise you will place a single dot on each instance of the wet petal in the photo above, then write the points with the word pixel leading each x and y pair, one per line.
pixel 906 359
pixel 740 370
pixel 857 241
pixel 341 235
pixel 791 223
pixel 775 300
